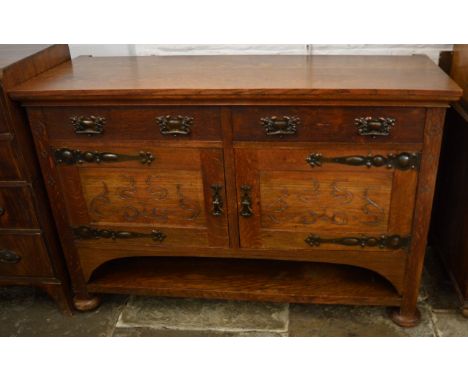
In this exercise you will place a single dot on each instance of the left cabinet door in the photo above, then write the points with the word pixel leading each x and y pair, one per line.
pixel 144 195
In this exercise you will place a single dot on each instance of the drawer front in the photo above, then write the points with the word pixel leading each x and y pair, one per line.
pixel 17 208
pixel 23 255
pixel 121 123
pixel 176 198
pixel 8 166
pixel 297 199
pixel 329 124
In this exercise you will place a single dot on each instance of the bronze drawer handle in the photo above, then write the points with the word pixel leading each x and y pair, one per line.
pixel 276 126
pixel 87 233
pixel 217 200
pixel 70 157
pixel 373 127
pixel 175 125
pixel 90 126
pixel 402 161
pixel 9 257
pixel 384 241
pixel 246 201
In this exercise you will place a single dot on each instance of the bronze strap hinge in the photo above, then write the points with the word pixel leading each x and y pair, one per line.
pixel 70 157
pixel 383 241
pixel 87 233
pixel 402 161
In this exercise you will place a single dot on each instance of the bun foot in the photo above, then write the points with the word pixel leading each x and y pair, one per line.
pixel 405 321
pixel 464 311
pixel 86 304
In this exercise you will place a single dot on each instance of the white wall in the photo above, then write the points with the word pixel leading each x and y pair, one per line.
pixel 432 50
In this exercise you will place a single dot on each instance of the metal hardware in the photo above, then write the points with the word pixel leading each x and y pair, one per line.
pixel 9 257
pixel 70 156
pixel 287 125
pixel 402 161
pixel 2 211
pixel 384 241
pixel 217 200
pixel 87 233
pixel 370 126
pixel 91 125
pixel 175 125
pixel 246 202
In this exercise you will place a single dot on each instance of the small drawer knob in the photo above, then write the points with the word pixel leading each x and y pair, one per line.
pixel 9 257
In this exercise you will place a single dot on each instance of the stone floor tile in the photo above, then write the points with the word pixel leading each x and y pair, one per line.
pixel 150 332
pixel 436 284
pixel 29 312
pixel 202 315
pixel 450 324
pixel 350 321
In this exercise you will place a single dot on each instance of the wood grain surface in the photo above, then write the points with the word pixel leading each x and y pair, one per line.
pixel 234 77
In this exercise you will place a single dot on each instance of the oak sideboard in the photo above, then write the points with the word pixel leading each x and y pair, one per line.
pixel 304 179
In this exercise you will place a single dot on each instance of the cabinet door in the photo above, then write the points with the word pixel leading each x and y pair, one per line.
pixel 348 198
pixel 147 196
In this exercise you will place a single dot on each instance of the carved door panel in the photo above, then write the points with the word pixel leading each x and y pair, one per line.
pixel 155 196
pixel 328 198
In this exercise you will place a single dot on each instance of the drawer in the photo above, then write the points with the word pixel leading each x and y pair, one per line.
pixel 329 124
pixel 8 167
pixel 123 123
pixel 17 208
pixel 23 255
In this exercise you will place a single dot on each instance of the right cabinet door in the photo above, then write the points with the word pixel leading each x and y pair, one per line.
pixel 326 197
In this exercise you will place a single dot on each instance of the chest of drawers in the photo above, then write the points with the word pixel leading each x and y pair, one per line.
pixel 299 179
pixel 29 249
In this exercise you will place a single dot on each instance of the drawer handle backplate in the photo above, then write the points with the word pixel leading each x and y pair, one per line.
pixel 9 257
pixel 175 125
pixel 90 126
pixel 70 157
pixel 217 200
pixel 401 161
pixel 374 127
pixel 383 241
pixel 87 233
pixel 276 126
pixel 246 201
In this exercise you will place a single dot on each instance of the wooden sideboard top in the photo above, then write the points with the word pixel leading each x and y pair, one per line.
pixel 358 78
